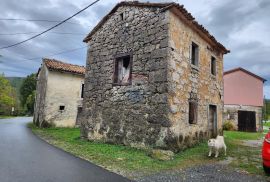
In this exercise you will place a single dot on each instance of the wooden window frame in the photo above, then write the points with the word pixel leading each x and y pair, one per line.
pixel 196 54
pixel 193 119
pixel 115 67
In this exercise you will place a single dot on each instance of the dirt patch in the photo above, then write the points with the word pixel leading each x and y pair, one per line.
pixel 204 173
pixel 252 143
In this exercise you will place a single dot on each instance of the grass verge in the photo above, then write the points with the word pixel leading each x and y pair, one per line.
pixel 6 117
pixel 266 124
pixel 133 163
pixel 245 157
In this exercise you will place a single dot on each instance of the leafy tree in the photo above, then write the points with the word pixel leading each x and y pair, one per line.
pixel 27 93
pixel 30 102
pixel 267 109
pixel 7 96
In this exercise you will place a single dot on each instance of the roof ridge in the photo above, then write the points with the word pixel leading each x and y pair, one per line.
pixel 244 70
pixel 57 65
pixel 60 61
pixel 168 5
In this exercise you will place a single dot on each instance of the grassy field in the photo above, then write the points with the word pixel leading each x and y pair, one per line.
pixel 266 124
pixel 132 162
pixel 6 117
pixel 244 157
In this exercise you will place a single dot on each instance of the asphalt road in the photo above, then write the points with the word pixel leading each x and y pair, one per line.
pixel 26 158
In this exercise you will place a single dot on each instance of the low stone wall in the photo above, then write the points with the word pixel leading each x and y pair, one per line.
pixel 231 113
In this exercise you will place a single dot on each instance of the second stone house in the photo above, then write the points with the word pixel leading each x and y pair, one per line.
pixel 59 94
pixel 153 78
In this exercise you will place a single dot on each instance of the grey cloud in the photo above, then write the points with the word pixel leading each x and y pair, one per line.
pixel 225 19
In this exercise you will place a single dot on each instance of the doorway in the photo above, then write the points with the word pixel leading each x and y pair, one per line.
pixel 213 120
pixel 247 121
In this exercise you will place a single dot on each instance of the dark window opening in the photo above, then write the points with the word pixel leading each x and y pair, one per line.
pixel 79 110
pixel 194 54
pixel 122 16
pixel 61 108
pixel 82 90
pixel 193 110
pixel 213 66
pixel 122 70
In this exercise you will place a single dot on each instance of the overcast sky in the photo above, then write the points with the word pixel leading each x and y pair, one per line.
pixel 242 27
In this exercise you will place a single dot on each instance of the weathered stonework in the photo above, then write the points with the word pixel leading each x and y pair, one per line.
pixel 55 89
pixel 231 113
pixel 153 110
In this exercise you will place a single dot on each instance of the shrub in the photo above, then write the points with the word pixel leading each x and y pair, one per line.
pixel 229 125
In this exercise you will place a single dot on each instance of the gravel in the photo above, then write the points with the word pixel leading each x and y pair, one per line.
pixel 203 173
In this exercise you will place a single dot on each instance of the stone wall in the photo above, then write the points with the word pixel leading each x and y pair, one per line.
pixel 55 89
pixel 133 114
pixel 41 88
pixel 231 113
pixel 186 79
pixel 62 89
pixel 152 111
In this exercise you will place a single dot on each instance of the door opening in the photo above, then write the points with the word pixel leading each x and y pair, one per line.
pixel 247 121
pixel 213 120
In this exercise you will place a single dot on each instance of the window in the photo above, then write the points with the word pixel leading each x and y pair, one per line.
pixel 194 54
pixel 193 109
pixel 61 108
pixel 121 16
pixel 82 89
pixel 213 66
pixel 122 72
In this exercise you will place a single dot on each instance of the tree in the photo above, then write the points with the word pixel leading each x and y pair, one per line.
pixel 27 93
pixel 7 96
pixel 267 109
pixel 30 102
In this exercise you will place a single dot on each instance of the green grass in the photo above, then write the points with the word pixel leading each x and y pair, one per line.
pixel 266 124
pixel 118 158
pixel 244 157
pixel 237 135
pixel 6 117
pixel 132 162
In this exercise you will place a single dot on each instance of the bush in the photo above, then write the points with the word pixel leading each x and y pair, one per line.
pixel 229 126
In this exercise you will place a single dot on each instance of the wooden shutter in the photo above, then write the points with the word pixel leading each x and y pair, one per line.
pixel 192 112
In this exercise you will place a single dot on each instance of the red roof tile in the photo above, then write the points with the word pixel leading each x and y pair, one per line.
pixel 56 65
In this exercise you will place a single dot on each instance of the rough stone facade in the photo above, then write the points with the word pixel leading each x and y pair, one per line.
pixel 231 114
pixel 55 89
pixel 151 111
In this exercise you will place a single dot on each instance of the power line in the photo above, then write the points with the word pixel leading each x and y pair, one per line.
pixel 33 20
pixel 18 43
pixel 25 33
pixel 62 52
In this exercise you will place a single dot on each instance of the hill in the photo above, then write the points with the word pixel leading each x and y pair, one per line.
pixel 16 82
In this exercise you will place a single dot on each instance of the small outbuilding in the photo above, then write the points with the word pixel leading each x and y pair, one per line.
pixel 59 94
pixel 243 99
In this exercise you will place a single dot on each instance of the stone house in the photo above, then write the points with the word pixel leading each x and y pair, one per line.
pixel 58 94
pixel 243 99
pixel 153 78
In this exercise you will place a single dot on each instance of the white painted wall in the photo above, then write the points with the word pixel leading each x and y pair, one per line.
pixel 62 89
